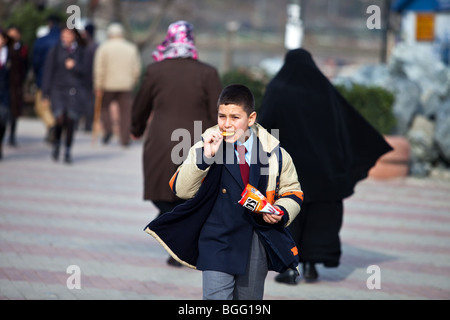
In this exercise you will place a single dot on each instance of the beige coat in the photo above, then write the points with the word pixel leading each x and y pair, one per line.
pixel 117 65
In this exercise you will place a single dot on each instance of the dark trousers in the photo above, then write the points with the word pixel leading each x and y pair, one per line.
pixel 64 123
pixel 316 232
pixel 12 130
pixel 2 134
pixel 4 117
pixel 125 101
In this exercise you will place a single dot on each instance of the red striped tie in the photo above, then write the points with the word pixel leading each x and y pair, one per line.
pixel 245 168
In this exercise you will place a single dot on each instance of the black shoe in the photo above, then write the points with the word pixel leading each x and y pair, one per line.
pixel 50 137
pixel 174 263
pixel 67 158
pixel 309 271
pixel 55 153
pixel 288 277
pixel 12 142
pixel 106 138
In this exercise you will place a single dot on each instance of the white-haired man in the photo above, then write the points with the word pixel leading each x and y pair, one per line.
pixel 117 67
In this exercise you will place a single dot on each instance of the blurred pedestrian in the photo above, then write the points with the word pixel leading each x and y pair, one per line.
pixel 332 146
pixel 19 69
pixel 5 70
pixel 177 90
pixel 63 88
pixel 117 68
pixel 91 46
pixel 41 48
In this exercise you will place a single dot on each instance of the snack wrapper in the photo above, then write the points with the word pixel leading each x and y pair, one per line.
pixel 254 200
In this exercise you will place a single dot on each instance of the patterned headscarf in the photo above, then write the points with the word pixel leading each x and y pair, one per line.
pixel 179 43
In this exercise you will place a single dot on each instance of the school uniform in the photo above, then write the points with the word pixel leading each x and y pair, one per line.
pixel 213 232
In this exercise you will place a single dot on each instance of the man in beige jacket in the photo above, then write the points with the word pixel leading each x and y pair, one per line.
pixel 117 67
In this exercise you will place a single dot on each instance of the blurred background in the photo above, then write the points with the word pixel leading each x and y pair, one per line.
pixel 389 58
pixel 254 30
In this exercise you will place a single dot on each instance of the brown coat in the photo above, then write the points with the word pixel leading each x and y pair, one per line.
pixel 173 94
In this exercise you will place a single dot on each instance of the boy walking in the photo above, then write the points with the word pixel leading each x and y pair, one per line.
pixel 232 246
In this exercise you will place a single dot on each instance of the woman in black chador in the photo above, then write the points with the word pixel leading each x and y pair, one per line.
pixel 332 146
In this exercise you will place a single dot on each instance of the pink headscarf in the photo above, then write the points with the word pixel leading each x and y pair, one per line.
pixel 179 43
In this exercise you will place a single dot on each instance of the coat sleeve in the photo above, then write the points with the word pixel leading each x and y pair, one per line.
pixel 99 69
pixel 142 105
pixel 137 66
pixel 290 192
pixel 189 176
pixel 48 70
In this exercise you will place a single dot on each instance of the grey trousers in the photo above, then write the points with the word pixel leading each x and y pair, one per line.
pixel 223 286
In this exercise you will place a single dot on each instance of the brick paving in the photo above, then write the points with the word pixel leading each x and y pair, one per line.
pixel 91 214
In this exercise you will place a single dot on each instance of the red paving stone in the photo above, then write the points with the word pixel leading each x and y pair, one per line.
pixel 92 214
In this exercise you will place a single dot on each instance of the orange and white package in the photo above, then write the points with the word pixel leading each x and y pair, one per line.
pixel 254 200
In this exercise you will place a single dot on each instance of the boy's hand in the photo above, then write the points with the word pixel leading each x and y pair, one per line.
pixel 212 143
pixel 271 218
pixel 70 63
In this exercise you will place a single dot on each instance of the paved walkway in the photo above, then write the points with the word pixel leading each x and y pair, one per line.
pixel 59 221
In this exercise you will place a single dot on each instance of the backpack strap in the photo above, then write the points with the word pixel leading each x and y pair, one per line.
pixel 280 165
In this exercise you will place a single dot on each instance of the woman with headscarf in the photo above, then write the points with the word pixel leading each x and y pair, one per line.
pixel 332 146
pixel 178 92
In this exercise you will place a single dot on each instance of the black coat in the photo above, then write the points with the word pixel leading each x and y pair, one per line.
pixel 331 144
pixel 64 86
pixel 332 147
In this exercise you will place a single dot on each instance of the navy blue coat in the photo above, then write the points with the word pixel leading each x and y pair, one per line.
pixel 213 232
pixel 41 48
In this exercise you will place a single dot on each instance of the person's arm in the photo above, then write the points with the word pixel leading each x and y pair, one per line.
pixel 47 75
pixel 142 106
pixel 77 63
pixel 187 180
pixel 99 70
pixel 137 66
pixel 290 192
pixel 189 176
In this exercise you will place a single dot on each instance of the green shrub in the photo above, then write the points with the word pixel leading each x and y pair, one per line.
pixel 28 18
pixel 375 104
pixel 255 82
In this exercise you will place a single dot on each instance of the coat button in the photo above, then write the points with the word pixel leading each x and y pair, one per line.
pixel 224 190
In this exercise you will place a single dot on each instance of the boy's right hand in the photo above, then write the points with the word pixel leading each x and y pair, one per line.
pixel 211 143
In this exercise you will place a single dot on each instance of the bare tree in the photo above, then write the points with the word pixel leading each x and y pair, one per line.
pixel 121 16
pixel 152 32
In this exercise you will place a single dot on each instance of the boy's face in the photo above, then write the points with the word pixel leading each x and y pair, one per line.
pixel 233 121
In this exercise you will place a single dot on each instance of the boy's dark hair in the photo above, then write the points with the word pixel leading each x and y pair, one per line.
pixel 238 94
